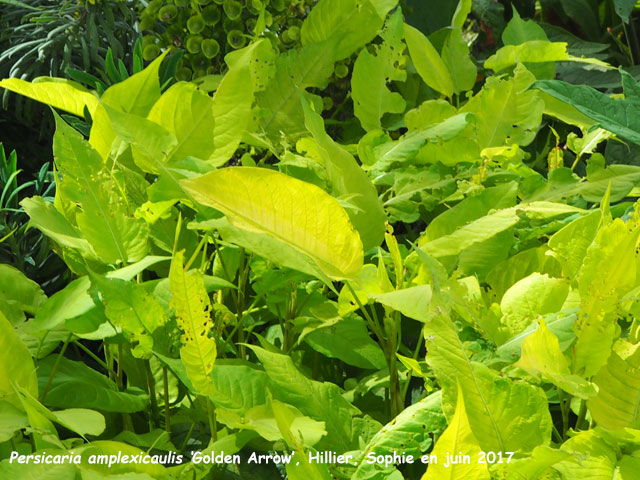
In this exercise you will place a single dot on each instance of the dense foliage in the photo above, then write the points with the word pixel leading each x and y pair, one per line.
pixel 444 261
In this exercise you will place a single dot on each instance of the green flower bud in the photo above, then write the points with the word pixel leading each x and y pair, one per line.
pixel 211 14
pixel 168 12
pixel 193 43
pixel 150 52
pixel 233 9
pixel 210 47
pixel 341 70
pixel 184 74
pixel 196 24
pixel 236 39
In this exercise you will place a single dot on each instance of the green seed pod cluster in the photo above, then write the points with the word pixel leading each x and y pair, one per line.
pixel 209 29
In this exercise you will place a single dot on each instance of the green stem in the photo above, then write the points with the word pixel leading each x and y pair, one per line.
pixel 97 359
pixel 167 416
pixel 151 385
pixel 55 367
pixel 213 427
pixel 374 327
pixel 188 436
pixel 416 352
pixel 582 414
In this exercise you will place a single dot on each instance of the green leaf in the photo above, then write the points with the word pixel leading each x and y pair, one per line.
pixel 12 419
pixel 427 61
pixel 624 8
pixel 114 236
pixel 505 111
pixel 535 51
pixel 490 225
pixel 17 471
pixel 596 458
pixel 504 416
pixel 616 115
pixel 19 293
pixel 536 465
pixel 531 297
pixel 461 13
pixel 542 357
pixel 372 98
pixel 321 401
pixel 191 303
pixel 135 95
pixel 44 216
pixel 57 92
pixel 571 242
pixel 130 307
pixel 413 302
pixel 112 450
pixel 75 385
pixel 349 180
pixel 616 405
pixel 607 273
pixel 349 341
pixel 354 23
pixel 295 71
pixel 455 55
pixel 233 100
pixel 520 31
pixel 295 215
pixel 458 437
pixel 16 366
pixel 407 434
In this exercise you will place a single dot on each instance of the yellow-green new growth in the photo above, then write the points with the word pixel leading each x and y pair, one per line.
pixel 192 307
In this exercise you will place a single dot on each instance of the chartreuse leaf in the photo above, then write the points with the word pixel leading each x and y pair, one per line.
pixel 57 92
pixel 280 111
pixel 621 117
pixel 114 235
pixel 506 111
pixel 616 405
pixel 44 216
pixel 490 225
pixel 535 51
pixel 542 358
pixel 407 434
pixel 12 419
pixel 353 22
pixel 320 401
pixel 78 420
pixel 133 309
pixel 596 458
pixel 455 55
pixel 18 294
pixel 16 366
pixel 284 219
pixel 461 13
pixel 192 306
pixel 608 272
pixel 75 385
pixel 371 74
pixel 570 243
pixel 18 471
pixel 504 415
pixel 428 62
pixel 413 302
pixel 144 469
pixel 527 299
pixel 457 439
pixel 348 180
pixel 135 95
pixel 536 466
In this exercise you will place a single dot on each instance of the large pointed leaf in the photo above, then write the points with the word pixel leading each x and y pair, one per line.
pixel 427 61
pixel 621 117
pixel 301 217
pixel 371 74
pixel 504 416
pixel 57 92
pixel 457 438
pixel 617 404
pixel 192 306
pixel 542 357
pixel 350 181
pixel 407 434
pixel 114 235
pixel 16 365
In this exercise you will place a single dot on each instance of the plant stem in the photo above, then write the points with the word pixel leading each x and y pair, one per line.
pixel 97 359
pixel 582 414
pixel 374 327
pixel 151 385
pixel 213 427
pixel 55 367
pixel 167 416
